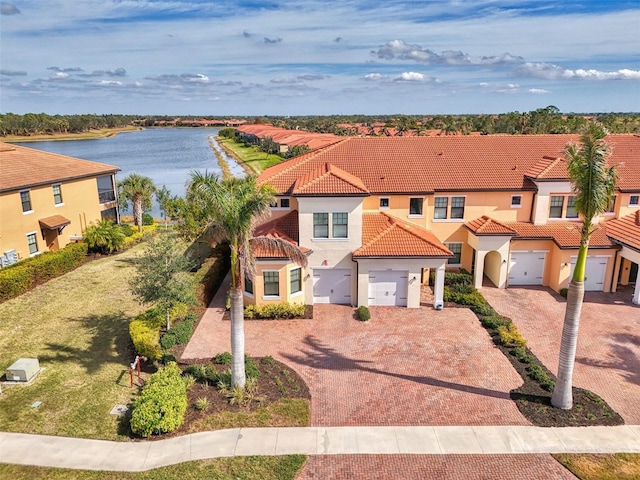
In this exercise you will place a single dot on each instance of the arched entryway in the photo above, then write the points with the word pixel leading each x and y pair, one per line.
pixel 492 268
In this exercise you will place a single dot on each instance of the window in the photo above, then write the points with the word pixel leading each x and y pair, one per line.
pixel 248 285
pixel 106 192
pixel 57 194
pixel 415 206
pixel 320 225
pixel 274 204
pixel 555 210
pixel 440 210
pixel 612 205
pixel 284 203
pixel 456 249
pixel 633 200
pixel 384 203
pixel 109 214
pixel 271 283
pixel 339 225
pixel 295 280
pixel 33 243
pixel 25 198
pixel 457 207
pixel 516 201
pixel 571 207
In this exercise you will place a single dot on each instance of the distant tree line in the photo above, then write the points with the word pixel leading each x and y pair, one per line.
pixel 43 124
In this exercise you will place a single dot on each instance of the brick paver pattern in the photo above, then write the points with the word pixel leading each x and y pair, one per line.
pixel 608 353
pixel 441 467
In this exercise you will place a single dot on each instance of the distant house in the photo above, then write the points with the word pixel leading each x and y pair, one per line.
pixel 48 200
pixel 377 216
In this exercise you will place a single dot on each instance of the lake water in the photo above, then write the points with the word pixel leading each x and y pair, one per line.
pixel 166 155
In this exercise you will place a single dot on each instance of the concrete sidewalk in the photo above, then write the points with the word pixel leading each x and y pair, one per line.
pixel 74 453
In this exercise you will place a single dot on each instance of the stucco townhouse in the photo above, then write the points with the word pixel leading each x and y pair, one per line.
pixel 376 216
pixel 48 200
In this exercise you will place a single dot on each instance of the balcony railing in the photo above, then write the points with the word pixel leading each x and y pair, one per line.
pixel 107 196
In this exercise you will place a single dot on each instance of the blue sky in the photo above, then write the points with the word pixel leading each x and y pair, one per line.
pixel 308 57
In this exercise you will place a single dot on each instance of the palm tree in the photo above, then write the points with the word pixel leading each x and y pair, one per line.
pixel 593 184
pixel 139 190
pixel 233 208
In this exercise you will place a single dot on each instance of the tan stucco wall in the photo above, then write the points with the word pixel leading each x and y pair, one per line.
pixel 80 205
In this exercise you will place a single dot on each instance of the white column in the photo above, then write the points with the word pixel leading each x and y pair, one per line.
pixel 478 270
pixel 438 289
pixel 636 292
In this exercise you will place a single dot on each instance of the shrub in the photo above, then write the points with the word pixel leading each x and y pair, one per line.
pixel 521 354
pixel 251 369
pixel 268 360
pixel 189 381
pixel 167 358
pixel 167 341
pixel 147 219
pixel 203 373
pixel 363 313
pixel 537 373
pixel 510 336
pixel 127 229
pixel 145 333
pixel 564 292
pixel 104 237
pixel 161 405
pixel 202 404
pixel 494 321
pixel 471 298
pixel 20 277
pixel 179 334
pixel 223 358
pixel 275 310
pixel 484 309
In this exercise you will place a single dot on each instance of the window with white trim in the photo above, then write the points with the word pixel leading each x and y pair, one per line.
pixel 456 249
pixel 295 280
pixel 57 194
pixel 25 199
pixel 556 204
pixel 571 207
pixel 634 200
pixel 339 222
pixel 516 201
pixel 271 283
pixel 32 241
pixel 415 205
pixel 448 208
pixel 284 203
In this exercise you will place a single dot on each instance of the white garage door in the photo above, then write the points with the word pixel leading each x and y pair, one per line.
pixel 527 268
pixel 388 287
pixel 332 286
pixel 594 274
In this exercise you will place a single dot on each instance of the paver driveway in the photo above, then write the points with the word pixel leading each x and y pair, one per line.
pixel 608 353
pixel 404 367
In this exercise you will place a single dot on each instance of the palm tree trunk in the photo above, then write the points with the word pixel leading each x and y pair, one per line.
pixel 562 396
pixel 137 213
pixel 238 378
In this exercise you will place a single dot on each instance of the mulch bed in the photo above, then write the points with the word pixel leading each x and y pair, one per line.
pixel 276 382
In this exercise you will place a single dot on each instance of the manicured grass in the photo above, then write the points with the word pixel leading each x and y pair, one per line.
pixel 255 159
pixel 101 133
pixel 77 326
pixel 621 466
pixel 246 468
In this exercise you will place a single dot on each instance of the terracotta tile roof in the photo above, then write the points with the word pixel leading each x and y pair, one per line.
pixel 284 228
pixel 23 167
pixel 329 180
pixel 625 230
pixel 548 168
pixel 488 226
pixel 418 165
pixel 54 222
pixel 564 234
pixel 387 236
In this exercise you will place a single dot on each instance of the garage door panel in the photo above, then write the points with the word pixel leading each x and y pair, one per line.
pixel 388 287
pixel 332 286
pixel 527 268
pixel 595 272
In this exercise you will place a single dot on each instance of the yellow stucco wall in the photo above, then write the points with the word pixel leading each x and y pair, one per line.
pixel 284 283
pixel 80 205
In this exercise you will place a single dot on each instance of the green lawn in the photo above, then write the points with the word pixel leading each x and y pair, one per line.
pixel 77 326
pixel 245 468
pixel 255 159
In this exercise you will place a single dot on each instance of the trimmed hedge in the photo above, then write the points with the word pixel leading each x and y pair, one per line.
pixel 145 334
pixel 179 334
pixel 162 404
pixel 363 312
pixel 275 310
pixel 20 277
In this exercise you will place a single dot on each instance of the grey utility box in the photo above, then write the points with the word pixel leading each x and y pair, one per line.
pixel 23 370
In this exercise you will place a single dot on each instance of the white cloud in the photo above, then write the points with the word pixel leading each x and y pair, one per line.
pixel 550 71
pixel 410 77
pixel 374 76
pixel 109 83
pixel 538 90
